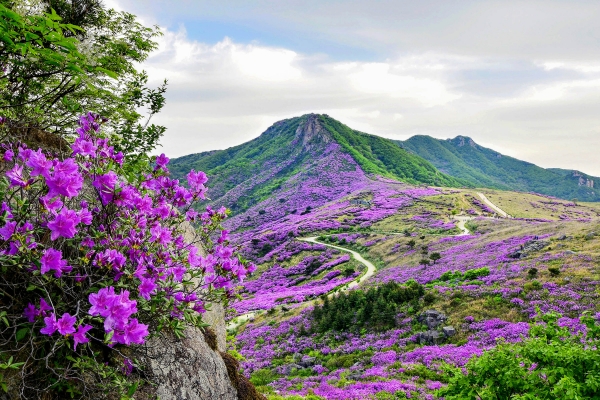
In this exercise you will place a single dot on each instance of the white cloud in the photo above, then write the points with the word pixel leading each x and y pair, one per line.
pixel 225 93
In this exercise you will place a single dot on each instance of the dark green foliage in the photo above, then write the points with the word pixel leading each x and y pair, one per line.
pixel 466 276
pixel 482 167
pixel 348 271
pixel 554 271
pixel 380 156
pixel 424 261
pixel 411 243
pixel 374 309
pixel 435 257
pixel 551 364
pixel 532 273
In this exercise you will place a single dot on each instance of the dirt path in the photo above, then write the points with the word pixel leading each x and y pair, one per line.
pixel 239 320
pixel 492 205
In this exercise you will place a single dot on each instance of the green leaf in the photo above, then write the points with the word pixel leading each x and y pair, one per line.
pixel 21 333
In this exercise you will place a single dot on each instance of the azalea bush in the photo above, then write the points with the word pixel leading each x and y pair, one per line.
pixel 95 263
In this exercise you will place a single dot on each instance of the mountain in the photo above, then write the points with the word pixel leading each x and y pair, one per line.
pixel 462 158
pixel 310 160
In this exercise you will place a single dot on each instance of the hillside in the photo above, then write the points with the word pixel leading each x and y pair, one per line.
pixel 462 158
pixel 304 162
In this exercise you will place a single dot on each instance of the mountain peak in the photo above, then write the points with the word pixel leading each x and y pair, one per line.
pixel 461 141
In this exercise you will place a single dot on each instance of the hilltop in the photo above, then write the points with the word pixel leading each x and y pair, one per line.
pixel 464 159
pixel 301 163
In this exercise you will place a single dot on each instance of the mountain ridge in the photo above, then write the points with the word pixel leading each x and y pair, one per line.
pixel 463 158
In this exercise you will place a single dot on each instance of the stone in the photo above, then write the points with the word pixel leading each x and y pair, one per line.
pixel 287 369
pixel 562 237
pixel 449 331
pixel 529 247
pixel 569 252
pixel 354 376
pixel 307 362
pixel 590 236
pixel 188 369
pixel 297 357
pixel 431 338
pixel 432 318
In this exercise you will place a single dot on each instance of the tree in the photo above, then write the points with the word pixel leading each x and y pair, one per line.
pixel 54 70
pixel 435 257
pixel 411 243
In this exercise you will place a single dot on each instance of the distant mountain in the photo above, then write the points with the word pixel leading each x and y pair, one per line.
pixel 310 157
pixel 462 158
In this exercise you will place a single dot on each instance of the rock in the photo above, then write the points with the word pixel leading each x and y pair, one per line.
pixel 297 357
pixel 569 252
pixel 590 236
pixel 529 247
pixel 431 338
pixel 562 237
pixel 188 369
pixel 307 362
pixel 449 331
pixel 354 376
pixel 287 369
pixel 432 318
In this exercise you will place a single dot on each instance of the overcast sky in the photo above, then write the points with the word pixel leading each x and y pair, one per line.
pixel 521 77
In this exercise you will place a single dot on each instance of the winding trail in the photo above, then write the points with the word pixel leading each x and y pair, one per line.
pixel 240 319
pixel 495 207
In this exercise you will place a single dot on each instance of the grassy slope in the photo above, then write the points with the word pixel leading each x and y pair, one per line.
pixel 381 156
pixel 487 168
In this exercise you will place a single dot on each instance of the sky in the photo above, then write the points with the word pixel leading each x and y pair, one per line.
pixel 519 76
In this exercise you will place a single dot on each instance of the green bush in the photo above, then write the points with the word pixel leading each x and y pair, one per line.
pixel 551 364
pixel 263 377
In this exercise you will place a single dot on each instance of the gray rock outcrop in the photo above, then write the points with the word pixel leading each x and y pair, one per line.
pixel 528 248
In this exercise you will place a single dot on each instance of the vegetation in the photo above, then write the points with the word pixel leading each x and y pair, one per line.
pixel 552 363
pixel 374 309
pixel 380 156
pixel 484 167
pixel 63 58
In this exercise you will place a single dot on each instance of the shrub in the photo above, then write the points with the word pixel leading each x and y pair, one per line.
pixel 532 273
pixel 528 370
pixel 554 271
pixel 96 262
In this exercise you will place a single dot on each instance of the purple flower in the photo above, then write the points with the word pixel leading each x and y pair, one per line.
pixel 65 325
pixel 44 306
pixel 196 180
pixel 64 224
pixel 7 230
pixel 101 301
pixel 30 312
pixel 65 180
pixel 133 332
pixel 39 164
pixel 146 288
pixel 15 176
pixel 50 327
pixel 105 184
pixel 52 260
pixel 162 161
pixel 51 204
pixel 79 337
pixel 8 155
pixel 84 147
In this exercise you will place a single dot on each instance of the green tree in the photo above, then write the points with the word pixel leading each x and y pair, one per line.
pixel 435 257
pixel 53 70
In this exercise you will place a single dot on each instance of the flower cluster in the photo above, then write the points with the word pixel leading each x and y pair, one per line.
pixel 110 256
